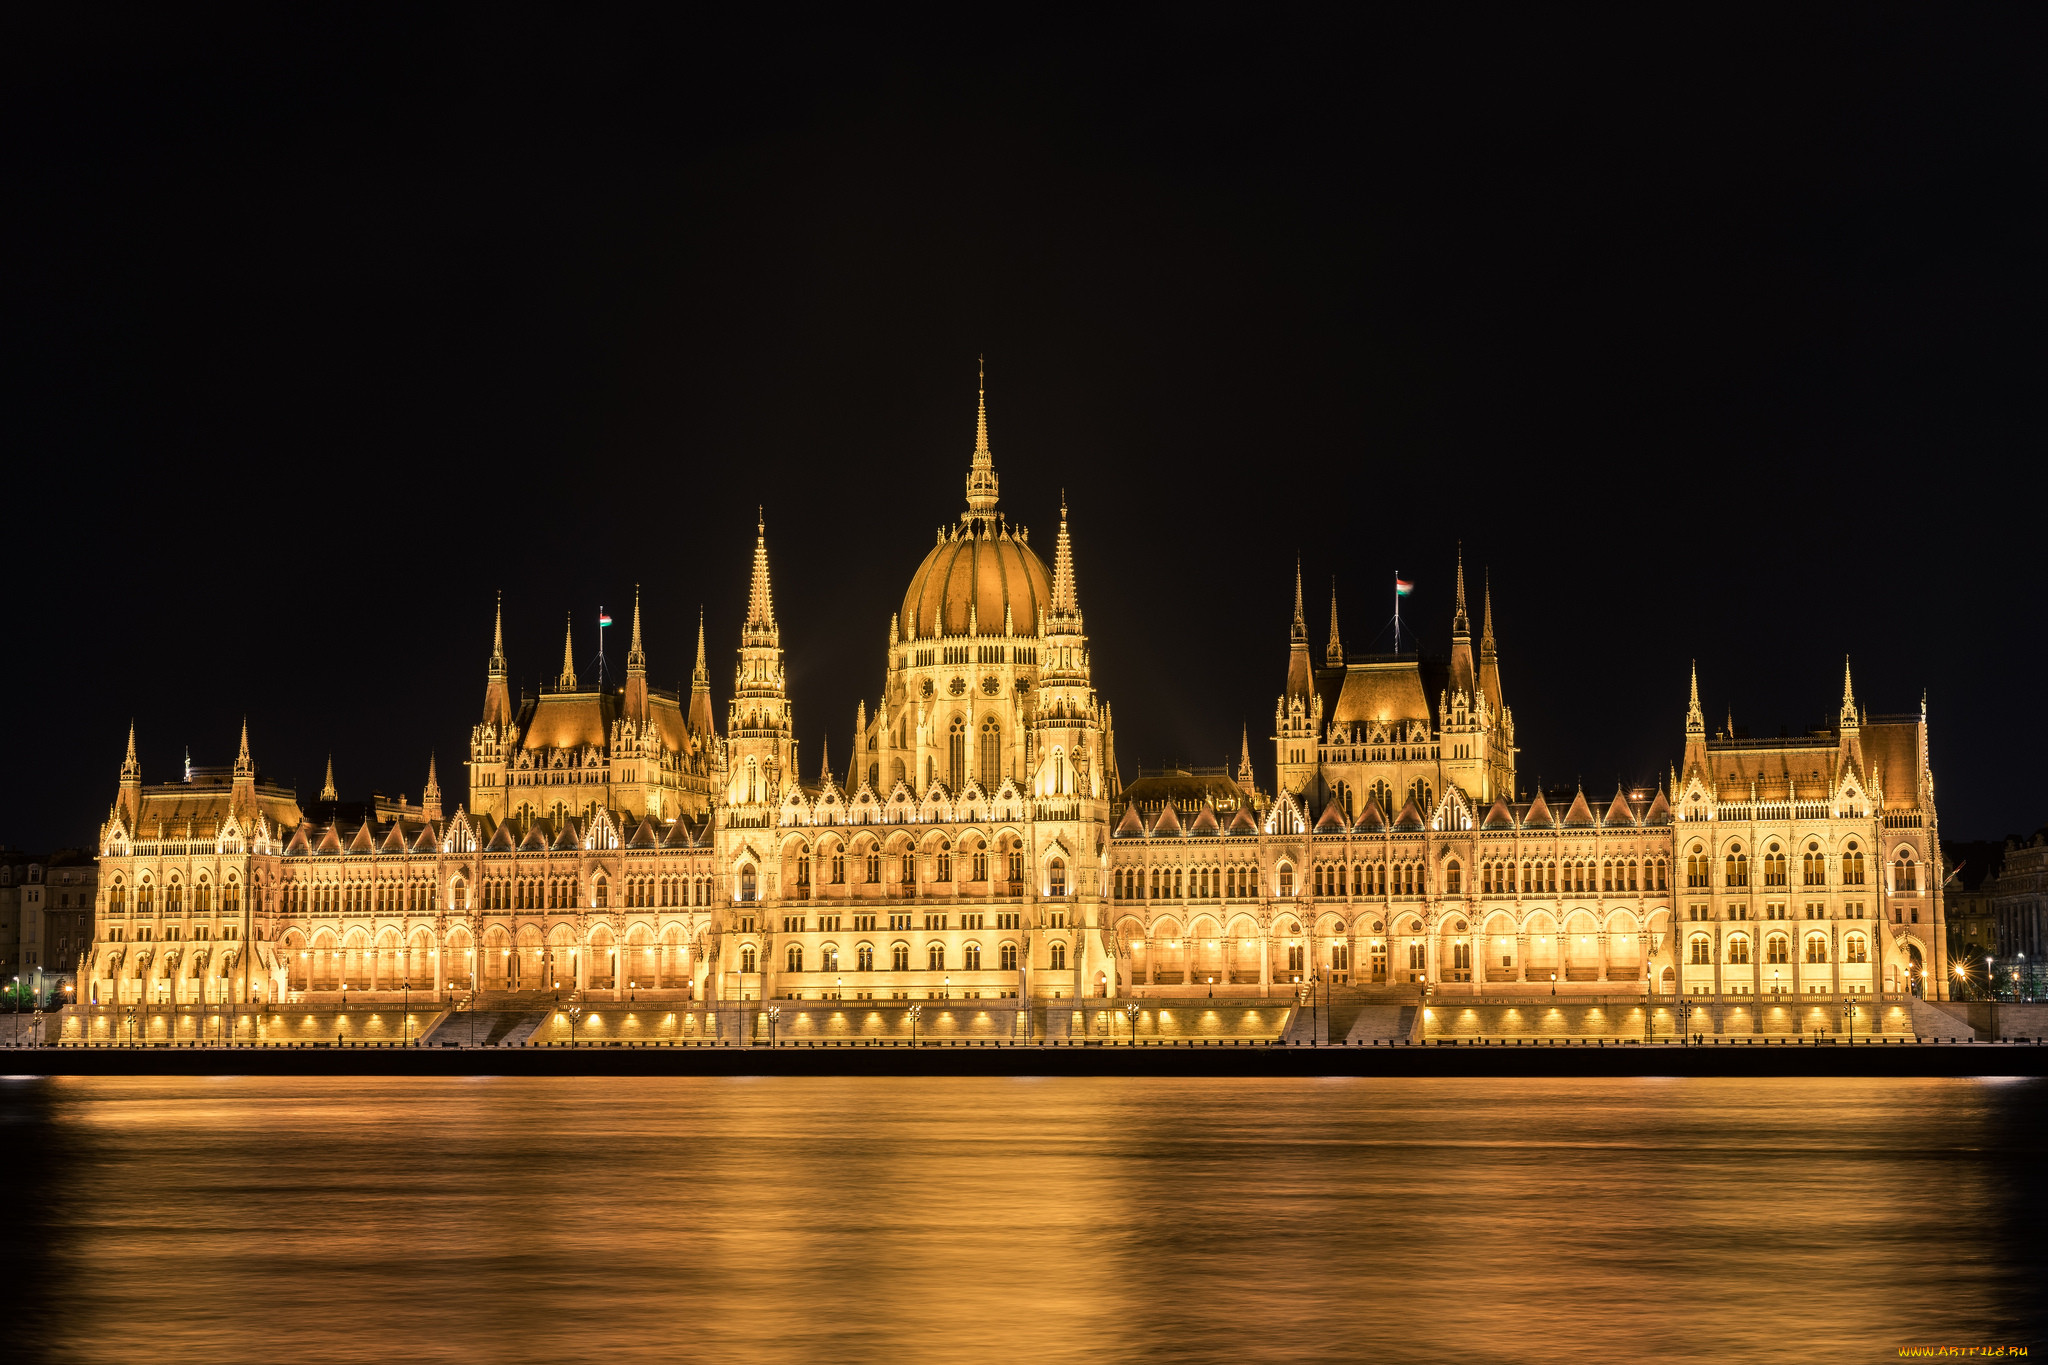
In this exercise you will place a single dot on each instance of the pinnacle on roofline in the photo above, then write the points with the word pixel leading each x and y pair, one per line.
pixel 1065 599
pixel 567 682
pixel 327 787
pixel 498 636
pixel 701 678
pixel 760 598
pixel 1486 611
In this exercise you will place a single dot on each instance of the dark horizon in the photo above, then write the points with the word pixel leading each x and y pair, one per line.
pixel 1705 343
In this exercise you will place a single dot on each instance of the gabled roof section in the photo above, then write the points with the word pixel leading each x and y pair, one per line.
pixel 364 842
pixel 1242 822
pixel 394 842
pixel 677 835
pixel 1372 818
pixel 1206 822
pixel 1538 815
pixel 302 841
pixel 536 840
pixel 1621 812
pixel 1130 827
pixel 502 841
pixel 1498 816
pixel 1659 812
pixel 1410 817
pixel 1331 821
pixel 644 835
pixel 1580 815
pixel 566 840
pixel 1167 824
pixel 427 841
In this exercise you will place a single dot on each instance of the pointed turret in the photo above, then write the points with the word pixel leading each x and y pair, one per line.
pixel 636 670
pixel 242 789
pixel 567 681
pixel 700 688
pixel 760 599
pixel 129 803
pixel 497 689
pixel 1464 677
pixel 1065 600
pixel 825 761
pixel 1695 739
pixel 1299 631
pixel 1244 761
pixel 1848 694
pixel 430 795
pixel 1461 624
pixel 1695 718
pixel 327 792
pixel 1333 653
pixel 1852 726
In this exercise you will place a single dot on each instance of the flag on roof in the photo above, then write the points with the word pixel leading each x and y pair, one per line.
pixel 1402 587
pixel 603 619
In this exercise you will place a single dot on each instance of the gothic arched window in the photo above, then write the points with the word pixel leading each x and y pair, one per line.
pixel 991 755
pixel 956 755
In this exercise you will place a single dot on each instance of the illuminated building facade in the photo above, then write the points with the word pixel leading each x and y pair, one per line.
pixel 979 842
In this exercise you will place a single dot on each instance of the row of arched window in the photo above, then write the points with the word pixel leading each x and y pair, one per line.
pixel 1777 949
pixel 1574 876
pixel 827 960
pixel 1813 866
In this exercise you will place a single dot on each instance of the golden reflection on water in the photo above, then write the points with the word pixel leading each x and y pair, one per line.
pixel 1020 1220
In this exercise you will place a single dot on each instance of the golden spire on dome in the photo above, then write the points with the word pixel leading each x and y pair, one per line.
pixel 760 601
pixel 981 475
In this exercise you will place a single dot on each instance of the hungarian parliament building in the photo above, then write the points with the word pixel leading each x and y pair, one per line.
pixel 980 841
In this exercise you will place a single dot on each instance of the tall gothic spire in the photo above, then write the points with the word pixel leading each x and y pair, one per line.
pixel 1848 694
pixel 327 792
pixel 1333 654
pixel 1244 760
pixel 1695 719
pixel 498 639
pixel 131 766
pixel 825 760
pixel 567 682
pixel 1064 598
pixel 1461 624
pixel 760 601
pixel 981 476
pixel 700 687
pixel 635 657
pixel 243 767
pixel 1486 613
pixel 430 795
pixel 1300 631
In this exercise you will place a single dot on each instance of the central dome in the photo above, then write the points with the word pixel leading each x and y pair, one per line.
pixel 990 569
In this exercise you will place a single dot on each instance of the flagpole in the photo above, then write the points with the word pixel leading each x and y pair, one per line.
pixel 1397 611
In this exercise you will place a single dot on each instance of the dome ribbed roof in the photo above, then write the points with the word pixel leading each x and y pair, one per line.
pixel 989 569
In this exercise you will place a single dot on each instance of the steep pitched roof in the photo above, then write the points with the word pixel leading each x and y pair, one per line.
pixel 1331 820
pixel 1372 817
pixel 1410 817
pixel 363 842
pixel 1538 815
pixel 1167 823
pixel 1621 812
pixel 644 835
pixel 1242 822
pixel 1130 827
pixel 1659 812
pixel 565 838
pixel 1206 821
pixel 536 840
pixel 1580 814
pixel 1498 816
pixel 501 842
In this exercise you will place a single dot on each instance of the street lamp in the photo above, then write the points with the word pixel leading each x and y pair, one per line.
pixel 839 989
pixel 1849 1013
pixel 1131 1013
pixel 1553 983
pixel 916 1012
pixel 774 1013
pixel 575 1013
pixel 405 1016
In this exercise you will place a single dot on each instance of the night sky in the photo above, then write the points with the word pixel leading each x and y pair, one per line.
pixel 1718 341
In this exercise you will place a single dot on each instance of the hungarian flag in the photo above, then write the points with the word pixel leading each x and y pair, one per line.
pixel 603 619
pixel 1402 587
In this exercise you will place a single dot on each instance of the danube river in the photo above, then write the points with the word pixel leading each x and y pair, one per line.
pixel 1029 1221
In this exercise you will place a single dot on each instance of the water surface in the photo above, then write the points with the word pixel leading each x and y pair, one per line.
pixel 1018 1220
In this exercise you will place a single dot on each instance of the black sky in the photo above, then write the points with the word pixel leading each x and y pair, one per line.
pixel 1716 339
